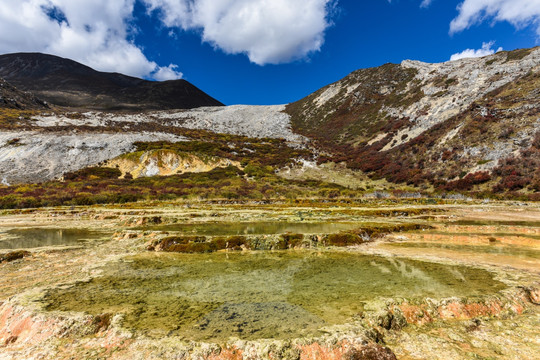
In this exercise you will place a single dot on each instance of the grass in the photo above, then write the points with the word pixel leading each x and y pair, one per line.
pixel 518 54
pixel 11 119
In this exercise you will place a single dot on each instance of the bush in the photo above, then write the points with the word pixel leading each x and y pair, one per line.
pixel 289 241
pixel 512 183
pixel 468 181
pixel 231 243
pixel 93 173
pixel 344 239
pixel 199 244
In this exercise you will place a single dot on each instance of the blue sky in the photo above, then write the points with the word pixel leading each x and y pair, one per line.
pixel 260 51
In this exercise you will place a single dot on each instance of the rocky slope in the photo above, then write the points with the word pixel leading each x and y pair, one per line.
pixel 39 144
pixel 467 125
pixel 67 83
pixel 33 156
pixel 45 145
pixel 166 162
pixel 13 98
pixel 245 120
pixel 431 123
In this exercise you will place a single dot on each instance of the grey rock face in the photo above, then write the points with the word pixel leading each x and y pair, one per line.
pixel 44 156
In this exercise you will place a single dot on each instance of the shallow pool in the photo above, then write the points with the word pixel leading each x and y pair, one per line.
pixel 41 237
pixel 253 295
pixel 516 251
pixel 523 223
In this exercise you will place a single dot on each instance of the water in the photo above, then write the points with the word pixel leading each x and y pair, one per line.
pixel 254 295
pixel 523 223
pixel 41 237
pixel 255 228
pixel 515 251
pixel 492 234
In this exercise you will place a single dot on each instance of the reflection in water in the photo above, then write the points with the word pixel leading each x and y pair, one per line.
pixel 419 277
pixel 522 252
pixel 41 237
pixel 382 268
pixel 457 274
pixel 259 295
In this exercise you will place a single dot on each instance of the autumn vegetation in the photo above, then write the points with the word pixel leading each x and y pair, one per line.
pixel 258 181
pixel 347 125
pixel 255 181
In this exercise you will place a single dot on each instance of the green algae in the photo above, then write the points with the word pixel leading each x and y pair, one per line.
pixel 517 251
pixel 41 237
pixel 254 295
pixel 360 233
pixel 255 228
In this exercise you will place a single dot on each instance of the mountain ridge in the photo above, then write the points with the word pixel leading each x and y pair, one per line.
pixel 471 125
pixel 429 124
pixel 68 83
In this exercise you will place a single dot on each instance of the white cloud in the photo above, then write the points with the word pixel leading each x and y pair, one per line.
pixel 93 32
pixel 97 32
pixel 267 31
pixel 519 13
pixel 471 53
pixel 425 3
pixel 167 73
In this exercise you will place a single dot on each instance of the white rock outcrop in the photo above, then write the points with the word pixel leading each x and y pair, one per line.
pixel 463 82
pixel 37 156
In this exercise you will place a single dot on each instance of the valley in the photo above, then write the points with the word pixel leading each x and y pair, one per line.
pixel 391 215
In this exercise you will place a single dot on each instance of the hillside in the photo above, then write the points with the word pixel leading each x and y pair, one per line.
pixel 67 83
pixel 468 126
pixel 13 98
pixel 451 125
pixel 40 146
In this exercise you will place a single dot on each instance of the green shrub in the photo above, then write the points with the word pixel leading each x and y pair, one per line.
pixel 290 241
pixel 343 239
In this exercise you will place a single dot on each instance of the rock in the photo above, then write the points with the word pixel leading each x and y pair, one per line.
pixel 102 322
pixel 370 352
pixel 46 156
pixel 533 294
pixel 252 121
pixel 473 325
pixel 149 220
pixel 14 255
pixel 165 163
pixel 345 351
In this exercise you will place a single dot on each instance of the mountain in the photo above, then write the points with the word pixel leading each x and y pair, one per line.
pixel 13 98
pixel 451 125
pixel 471 125
pixel 67 83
